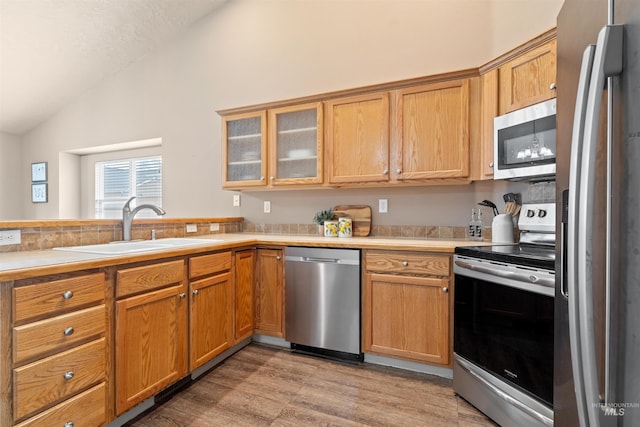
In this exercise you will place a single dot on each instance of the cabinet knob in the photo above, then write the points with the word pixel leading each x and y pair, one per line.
pixel 405 263
pixel 68 424
pixel 445 290
pixel 262 178
pixel 552 86
pixel 272 178
pixel 67 295
pixel 183 295
pixel 69 331
pixel 278 257
pixel 399 171
pixel 68 375
pixel 196 292
pixel 385 172
pixel 491 165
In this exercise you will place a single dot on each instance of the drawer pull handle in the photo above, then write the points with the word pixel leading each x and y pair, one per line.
pixel 68 375
pixel 196 292
pixel 183 295
pixel 67 295
pixel 278 258
pixel 68 424
pixel 445 290
pixel 69 331
pixel 405 263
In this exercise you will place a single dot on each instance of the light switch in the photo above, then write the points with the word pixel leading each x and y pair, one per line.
pixel 192 228
pixel 267 206
pixel 236 200
pixel 383 206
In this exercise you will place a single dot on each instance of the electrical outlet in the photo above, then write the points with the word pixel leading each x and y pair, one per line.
pixel 236 200
pixel 267 206
pixel 214 227
pixel 9 237
pixel 192 228
pixel 383 206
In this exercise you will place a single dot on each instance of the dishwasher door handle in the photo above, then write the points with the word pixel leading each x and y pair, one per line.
pixel 315 259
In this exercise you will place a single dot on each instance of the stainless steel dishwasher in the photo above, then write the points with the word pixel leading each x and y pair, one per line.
pixel 323 301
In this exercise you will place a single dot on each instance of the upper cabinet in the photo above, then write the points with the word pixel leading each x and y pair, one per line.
pixel 244 148
pixel 358 139
pixel 281 146
pixel 295 145
pixel 432 131
pixel 529 78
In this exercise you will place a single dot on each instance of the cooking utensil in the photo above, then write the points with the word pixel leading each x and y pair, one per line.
pixel 490 204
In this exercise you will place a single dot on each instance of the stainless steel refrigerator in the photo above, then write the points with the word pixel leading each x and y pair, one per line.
pixel 597 301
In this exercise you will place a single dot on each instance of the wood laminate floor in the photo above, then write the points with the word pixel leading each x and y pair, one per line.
pixel 266 386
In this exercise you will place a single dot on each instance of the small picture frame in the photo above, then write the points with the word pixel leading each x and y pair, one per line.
pixel 39 193
pixel 39 172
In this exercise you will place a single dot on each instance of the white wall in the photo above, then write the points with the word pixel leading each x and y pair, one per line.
pixel 12 190
pixel 253 51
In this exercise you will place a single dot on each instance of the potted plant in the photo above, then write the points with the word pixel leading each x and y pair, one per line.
pixel 320 217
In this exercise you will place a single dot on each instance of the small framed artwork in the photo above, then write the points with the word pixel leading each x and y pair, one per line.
pixel 39 172
pixel 39 193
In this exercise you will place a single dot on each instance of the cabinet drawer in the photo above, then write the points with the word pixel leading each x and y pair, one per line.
pixel 86 409
pixel 45 336
pixel 407 263
pixel 54 297
pixel 50 380
pixel 209 264
pixel 140 279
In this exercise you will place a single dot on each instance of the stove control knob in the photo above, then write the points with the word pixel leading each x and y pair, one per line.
pixel 542 213
pixel 530 213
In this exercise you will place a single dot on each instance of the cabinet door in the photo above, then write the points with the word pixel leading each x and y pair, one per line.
pixel 488 112
pixel 244 284
pixel 407 317
pixel 433 131
pixel 295 145
pixel 151 344
pixel 211 321
pixel 244 150
pixel 528 79
pixel 358 139
pixel 269 293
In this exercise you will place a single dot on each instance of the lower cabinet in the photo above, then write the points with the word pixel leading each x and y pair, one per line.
pixel 407 306
pixel 269 292
pixel 151 341
pixel 211 312
pixel 243 294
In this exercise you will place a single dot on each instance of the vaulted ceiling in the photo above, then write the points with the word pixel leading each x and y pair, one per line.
pixel 51 51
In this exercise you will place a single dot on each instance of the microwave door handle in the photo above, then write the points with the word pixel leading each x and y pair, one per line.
pixel 570 281
pixel 607 62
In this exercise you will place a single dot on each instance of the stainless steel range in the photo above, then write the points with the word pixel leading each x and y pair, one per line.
pixel 503 323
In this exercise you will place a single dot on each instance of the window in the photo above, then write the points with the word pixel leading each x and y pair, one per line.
pixel 118 180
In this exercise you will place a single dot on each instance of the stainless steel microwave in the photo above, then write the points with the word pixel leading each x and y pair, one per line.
pixel 525 143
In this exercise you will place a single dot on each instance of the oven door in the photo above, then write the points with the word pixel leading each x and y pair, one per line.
pixel 503 329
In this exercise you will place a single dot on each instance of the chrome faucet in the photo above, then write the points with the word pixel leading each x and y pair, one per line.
pixel 128 214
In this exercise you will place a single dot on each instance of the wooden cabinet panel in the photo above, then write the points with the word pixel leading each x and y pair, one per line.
pixel 211 318
pixel 244 150
pixel 432 131
pixel 358 139
pixel 489 110
pixel 269 293
pixel 141 279
pixel 52 379
pixel 527 79
pixel 407 317
pixel 209 264
pixel 151 344
pixel 85 409
pixel 45 336
pixel 57 296
pixel 407 263
pixel 244 284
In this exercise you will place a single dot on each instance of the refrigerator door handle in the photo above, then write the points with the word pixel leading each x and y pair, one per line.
pixel 607 62
pixel 571 279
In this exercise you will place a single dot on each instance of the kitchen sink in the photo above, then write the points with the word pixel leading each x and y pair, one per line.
pixel 123 248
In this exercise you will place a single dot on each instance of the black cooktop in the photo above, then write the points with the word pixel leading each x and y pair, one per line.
pixel 521 254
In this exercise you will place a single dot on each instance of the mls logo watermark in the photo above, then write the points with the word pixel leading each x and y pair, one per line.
pixel 616 409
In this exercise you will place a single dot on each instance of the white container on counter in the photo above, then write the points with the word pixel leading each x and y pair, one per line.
pixel 345 228
pixel 502 229
pixel 331 229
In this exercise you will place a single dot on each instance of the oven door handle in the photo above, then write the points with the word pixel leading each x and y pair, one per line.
pixel 520 277
pixel 510 400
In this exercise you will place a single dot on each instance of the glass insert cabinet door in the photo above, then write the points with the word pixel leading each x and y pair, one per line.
pixel 244 148
pixel 295 144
